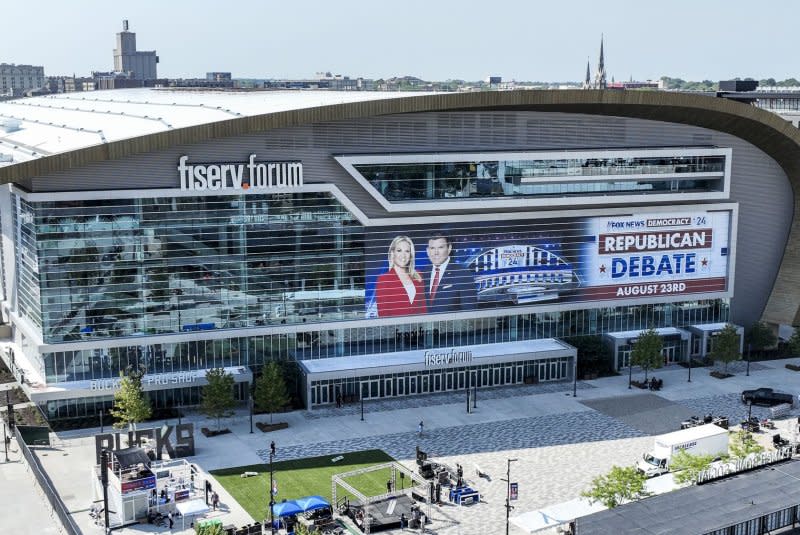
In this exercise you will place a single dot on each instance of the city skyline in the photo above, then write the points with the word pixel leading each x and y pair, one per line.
pixel 355 38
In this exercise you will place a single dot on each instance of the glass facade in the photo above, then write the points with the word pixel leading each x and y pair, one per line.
pixel 546 177
pixel 132 267
pixel 255 350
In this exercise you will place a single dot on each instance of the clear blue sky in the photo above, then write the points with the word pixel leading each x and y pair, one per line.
pixel 431 39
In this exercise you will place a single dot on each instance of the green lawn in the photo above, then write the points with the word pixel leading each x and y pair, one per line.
pixel 302 477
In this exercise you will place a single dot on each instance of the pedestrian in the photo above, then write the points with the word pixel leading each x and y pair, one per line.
pixel 420 427
pixel 215 500
pixel 388 486
pixel 403 521
pixel 338 400
pixel 169 517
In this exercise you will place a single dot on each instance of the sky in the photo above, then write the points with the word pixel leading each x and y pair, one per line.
pixel 524 40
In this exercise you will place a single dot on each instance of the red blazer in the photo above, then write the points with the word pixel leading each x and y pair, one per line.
pixel 392 297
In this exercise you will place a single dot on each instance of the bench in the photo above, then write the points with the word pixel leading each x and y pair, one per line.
pixel 480 472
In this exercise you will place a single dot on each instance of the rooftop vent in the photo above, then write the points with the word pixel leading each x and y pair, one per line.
pixel 10 125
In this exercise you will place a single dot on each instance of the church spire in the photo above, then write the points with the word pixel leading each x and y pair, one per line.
pixel 600 75
pixel 587 83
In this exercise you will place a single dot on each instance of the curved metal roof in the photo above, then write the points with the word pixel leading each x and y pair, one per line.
pixel 263 111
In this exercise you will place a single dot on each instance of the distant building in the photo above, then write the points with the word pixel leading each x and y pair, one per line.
pixel 218 76
pixel 141 65
pixel 599 81
pixel 116 80
pixel 15 80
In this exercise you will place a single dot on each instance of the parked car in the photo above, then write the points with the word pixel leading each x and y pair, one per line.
pixel 767 397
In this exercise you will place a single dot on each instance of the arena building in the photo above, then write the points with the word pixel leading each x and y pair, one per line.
pixel 391 244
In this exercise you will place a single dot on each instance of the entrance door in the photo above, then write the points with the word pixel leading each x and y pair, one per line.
pixel 520 377
pixel 412 384
pixel 324 393
pixel 462 379
pixel 554 370
pixel 508 375
pixel 437 382
pixel 374 388
pixel 387 388
pixel 485 378
pixel 424 386
pixel 669 354
pixel 401 386
pixel 449 381
pixel 498 376
pixel 543 376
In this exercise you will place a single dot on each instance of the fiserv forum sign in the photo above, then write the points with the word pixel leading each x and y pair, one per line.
pixel 251 175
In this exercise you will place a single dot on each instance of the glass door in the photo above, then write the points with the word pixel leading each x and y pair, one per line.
pixel 387 388
pixel 401 384
pixel 449 381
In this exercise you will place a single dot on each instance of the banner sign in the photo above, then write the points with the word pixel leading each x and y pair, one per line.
pixel 460 267
pixel 514 493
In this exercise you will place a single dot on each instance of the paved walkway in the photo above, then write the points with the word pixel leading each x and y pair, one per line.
pixel 560 442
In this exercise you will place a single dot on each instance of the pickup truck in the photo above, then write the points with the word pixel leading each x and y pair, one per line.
pixel 766 396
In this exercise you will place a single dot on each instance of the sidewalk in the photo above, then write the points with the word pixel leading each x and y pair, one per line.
pixel 560 443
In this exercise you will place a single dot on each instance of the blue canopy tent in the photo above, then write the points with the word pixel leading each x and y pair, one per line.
pixel 287 508
pixel 312 503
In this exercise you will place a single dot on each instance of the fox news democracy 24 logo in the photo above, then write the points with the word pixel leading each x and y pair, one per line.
pixel 654 255
pixel 222 176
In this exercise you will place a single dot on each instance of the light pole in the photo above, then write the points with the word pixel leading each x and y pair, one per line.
pixel 575 378
pixel 362 402
pixel 508 492
pixel 271 487
pixel 6 440
pixel 475 396
pixel 690 369
pixel 250 404
pixel 630 371
pixel 748 360
pixel 101 420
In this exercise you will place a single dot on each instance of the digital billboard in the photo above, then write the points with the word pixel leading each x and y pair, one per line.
pixel 429 269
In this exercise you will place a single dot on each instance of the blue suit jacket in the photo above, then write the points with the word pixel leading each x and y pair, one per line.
pixel 456 290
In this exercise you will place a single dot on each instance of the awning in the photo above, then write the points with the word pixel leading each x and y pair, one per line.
pixel 192 507
pixel 555 515
pixel 131 457
pixel 312 503
pixel 287 508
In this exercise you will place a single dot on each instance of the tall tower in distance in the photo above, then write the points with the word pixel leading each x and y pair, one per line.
pixel 600 75
pixel 139 65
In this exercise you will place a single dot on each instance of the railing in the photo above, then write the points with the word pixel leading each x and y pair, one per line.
pixel 43 480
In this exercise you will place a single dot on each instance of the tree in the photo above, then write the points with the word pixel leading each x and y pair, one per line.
pixel 687 466
pixel 217 397
pixel 130 404
pixel 794 343
pixel 726 346
pixel 743 444
pixel 271 394
pixel 646 351
pixel 760 336
pixel 618 486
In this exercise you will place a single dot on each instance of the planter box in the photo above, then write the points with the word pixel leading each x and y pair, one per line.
pixel 793 367
pixel 643 384
pixel 266 428
pixel 720 375
pixel 212 433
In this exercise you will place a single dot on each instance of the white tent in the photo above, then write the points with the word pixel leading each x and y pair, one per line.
pixel 191 508
pixel 555 515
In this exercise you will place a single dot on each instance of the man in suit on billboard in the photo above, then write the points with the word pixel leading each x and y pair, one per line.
pixel 450 287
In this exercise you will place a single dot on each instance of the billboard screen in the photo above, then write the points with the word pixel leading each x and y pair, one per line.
pixel 426 269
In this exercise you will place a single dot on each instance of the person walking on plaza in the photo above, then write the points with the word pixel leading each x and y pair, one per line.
pixel 169 517
pixel 338 400
pixel 420 427
pixel 215 500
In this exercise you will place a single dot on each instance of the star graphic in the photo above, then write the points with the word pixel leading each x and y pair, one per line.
pixel 603 268
pixel 704 262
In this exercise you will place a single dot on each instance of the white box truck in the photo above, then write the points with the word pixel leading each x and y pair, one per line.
pixel 706 439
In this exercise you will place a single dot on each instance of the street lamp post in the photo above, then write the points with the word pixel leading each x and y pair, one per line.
pixel 690 369
pixel 101 420
pixel 475 396
pixel 5 439
pixel 362 403
pixel 271 487
pixel 630 372
pixel 748 360
pixel 250 405
pixel 508 492
pixel 575 378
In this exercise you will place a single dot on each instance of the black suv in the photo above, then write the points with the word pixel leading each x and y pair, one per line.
pixel 767 397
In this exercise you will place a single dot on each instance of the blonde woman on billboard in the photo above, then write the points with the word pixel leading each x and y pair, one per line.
pixel 400 291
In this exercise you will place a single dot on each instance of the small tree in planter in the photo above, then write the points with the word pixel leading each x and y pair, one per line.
pixel 646 351
pixel 726 346
pixel 620 485
pixel 130 404
pixel 217 399
pixel 271 394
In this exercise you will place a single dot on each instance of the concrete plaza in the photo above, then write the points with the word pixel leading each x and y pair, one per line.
pixel 560 442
